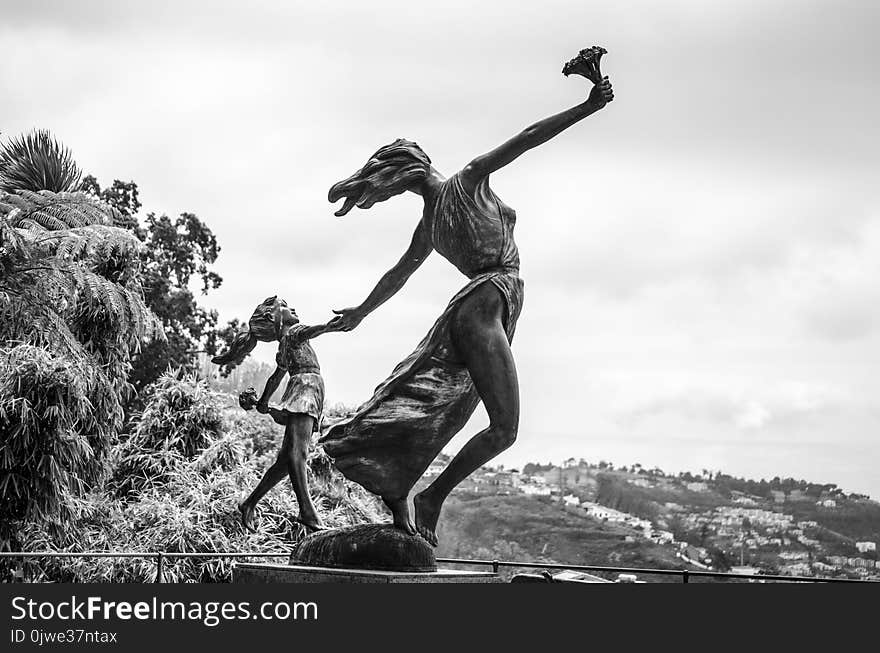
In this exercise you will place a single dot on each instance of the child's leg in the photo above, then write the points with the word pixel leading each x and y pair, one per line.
pixel 299 430
pixel 276 472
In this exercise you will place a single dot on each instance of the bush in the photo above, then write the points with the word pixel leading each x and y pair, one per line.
pixel 47 459
pixel 183 495
pixel 182 417
pixel 262 434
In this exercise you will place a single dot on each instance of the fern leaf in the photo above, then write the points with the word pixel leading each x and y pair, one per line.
pixel 61 210
pixel 148 326
pixel 97 241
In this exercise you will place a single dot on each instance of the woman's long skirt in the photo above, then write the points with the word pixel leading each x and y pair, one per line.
pixel 389 442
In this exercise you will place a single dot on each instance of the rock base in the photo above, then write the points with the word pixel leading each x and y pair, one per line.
pixel 374 547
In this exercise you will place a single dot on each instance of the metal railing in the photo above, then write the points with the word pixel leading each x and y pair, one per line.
pixel 162 557
pixel 684 574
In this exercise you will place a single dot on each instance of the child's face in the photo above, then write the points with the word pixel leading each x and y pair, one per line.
pixel 288 316
pixel 284 315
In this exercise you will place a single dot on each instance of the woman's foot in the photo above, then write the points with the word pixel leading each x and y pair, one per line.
pixel 247 516
pixel 400 514
pixel 427 514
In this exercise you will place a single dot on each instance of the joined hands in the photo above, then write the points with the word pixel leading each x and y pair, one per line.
pixel 346 319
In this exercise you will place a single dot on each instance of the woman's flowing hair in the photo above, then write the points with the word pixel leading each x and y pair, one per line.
pixel 390 171
pixel 261 327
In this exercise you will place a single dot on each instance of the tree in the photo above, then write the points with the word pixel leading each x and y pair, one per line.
pixel 122 196
pixel 720 561
pixel 176 252
pixel 704 534
pixel 678 528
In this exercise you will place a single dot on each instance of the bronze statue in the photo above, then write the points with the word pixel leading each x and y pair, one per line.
pixel 301 405
pixel 465 357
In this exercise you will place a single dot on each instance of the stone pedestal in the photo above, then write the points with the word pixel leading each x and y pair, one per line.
pixel 266 573
pixel 367 553
pixel 378 547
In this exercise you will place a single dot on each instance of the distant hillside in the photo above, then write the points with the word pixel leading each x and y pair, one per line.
pixel 517 527
pixel 596 514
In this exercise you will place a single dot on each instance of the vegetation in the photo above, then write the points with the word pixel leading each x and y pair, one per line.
pixel 764 488
pixel 94 307
pixel 616 493
pixel 36 161
pixel 175 253
pixel 46 459
pixel 175 486
pixel 182 419
pixel 72 315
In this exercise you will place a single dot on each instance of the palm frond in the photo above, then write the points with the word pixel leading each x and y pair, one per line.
pixel 37 161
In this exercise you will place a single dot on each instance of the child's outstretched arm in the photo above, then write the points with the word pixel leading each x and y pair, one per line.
pixel 303 332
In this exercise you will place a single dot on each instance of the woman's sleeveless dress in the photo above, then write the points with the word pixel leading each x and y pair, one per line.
pixel 389 442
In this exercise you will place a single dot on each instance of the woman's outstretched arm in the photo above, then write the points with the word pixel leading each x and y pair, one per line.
pixel 348 318
pixel 535 135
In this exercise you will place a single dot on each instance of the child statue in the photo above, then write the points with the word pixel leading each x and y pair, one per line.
pixel 301 405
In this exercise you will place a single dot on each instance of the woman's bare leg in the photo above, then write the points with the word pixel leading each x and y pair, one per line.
pixel 400 514
pixel 276 472
pixel 299 430
pixel 480 339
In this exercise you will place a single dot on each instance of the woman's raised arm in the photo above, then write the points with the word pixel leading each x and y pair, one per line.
pixel 535 135
pixel 348 318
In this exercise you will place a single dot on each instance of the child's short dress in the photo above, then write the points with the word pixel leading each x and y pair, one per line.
pixel 305 388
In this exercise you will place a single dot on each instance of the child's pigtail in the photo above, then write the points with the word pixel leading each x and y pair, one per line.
pixel 242 345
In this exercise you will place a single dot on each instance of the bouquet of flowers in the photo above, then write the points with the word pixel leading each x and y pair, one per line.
pixel 248 399
pixel 586 63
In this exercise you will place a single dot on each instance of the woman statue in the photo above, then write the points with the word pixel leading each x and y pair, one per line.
pixel 465 357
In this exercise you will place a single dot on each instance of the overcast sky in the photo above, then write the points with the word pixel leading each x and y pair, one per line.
pixel 701 258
